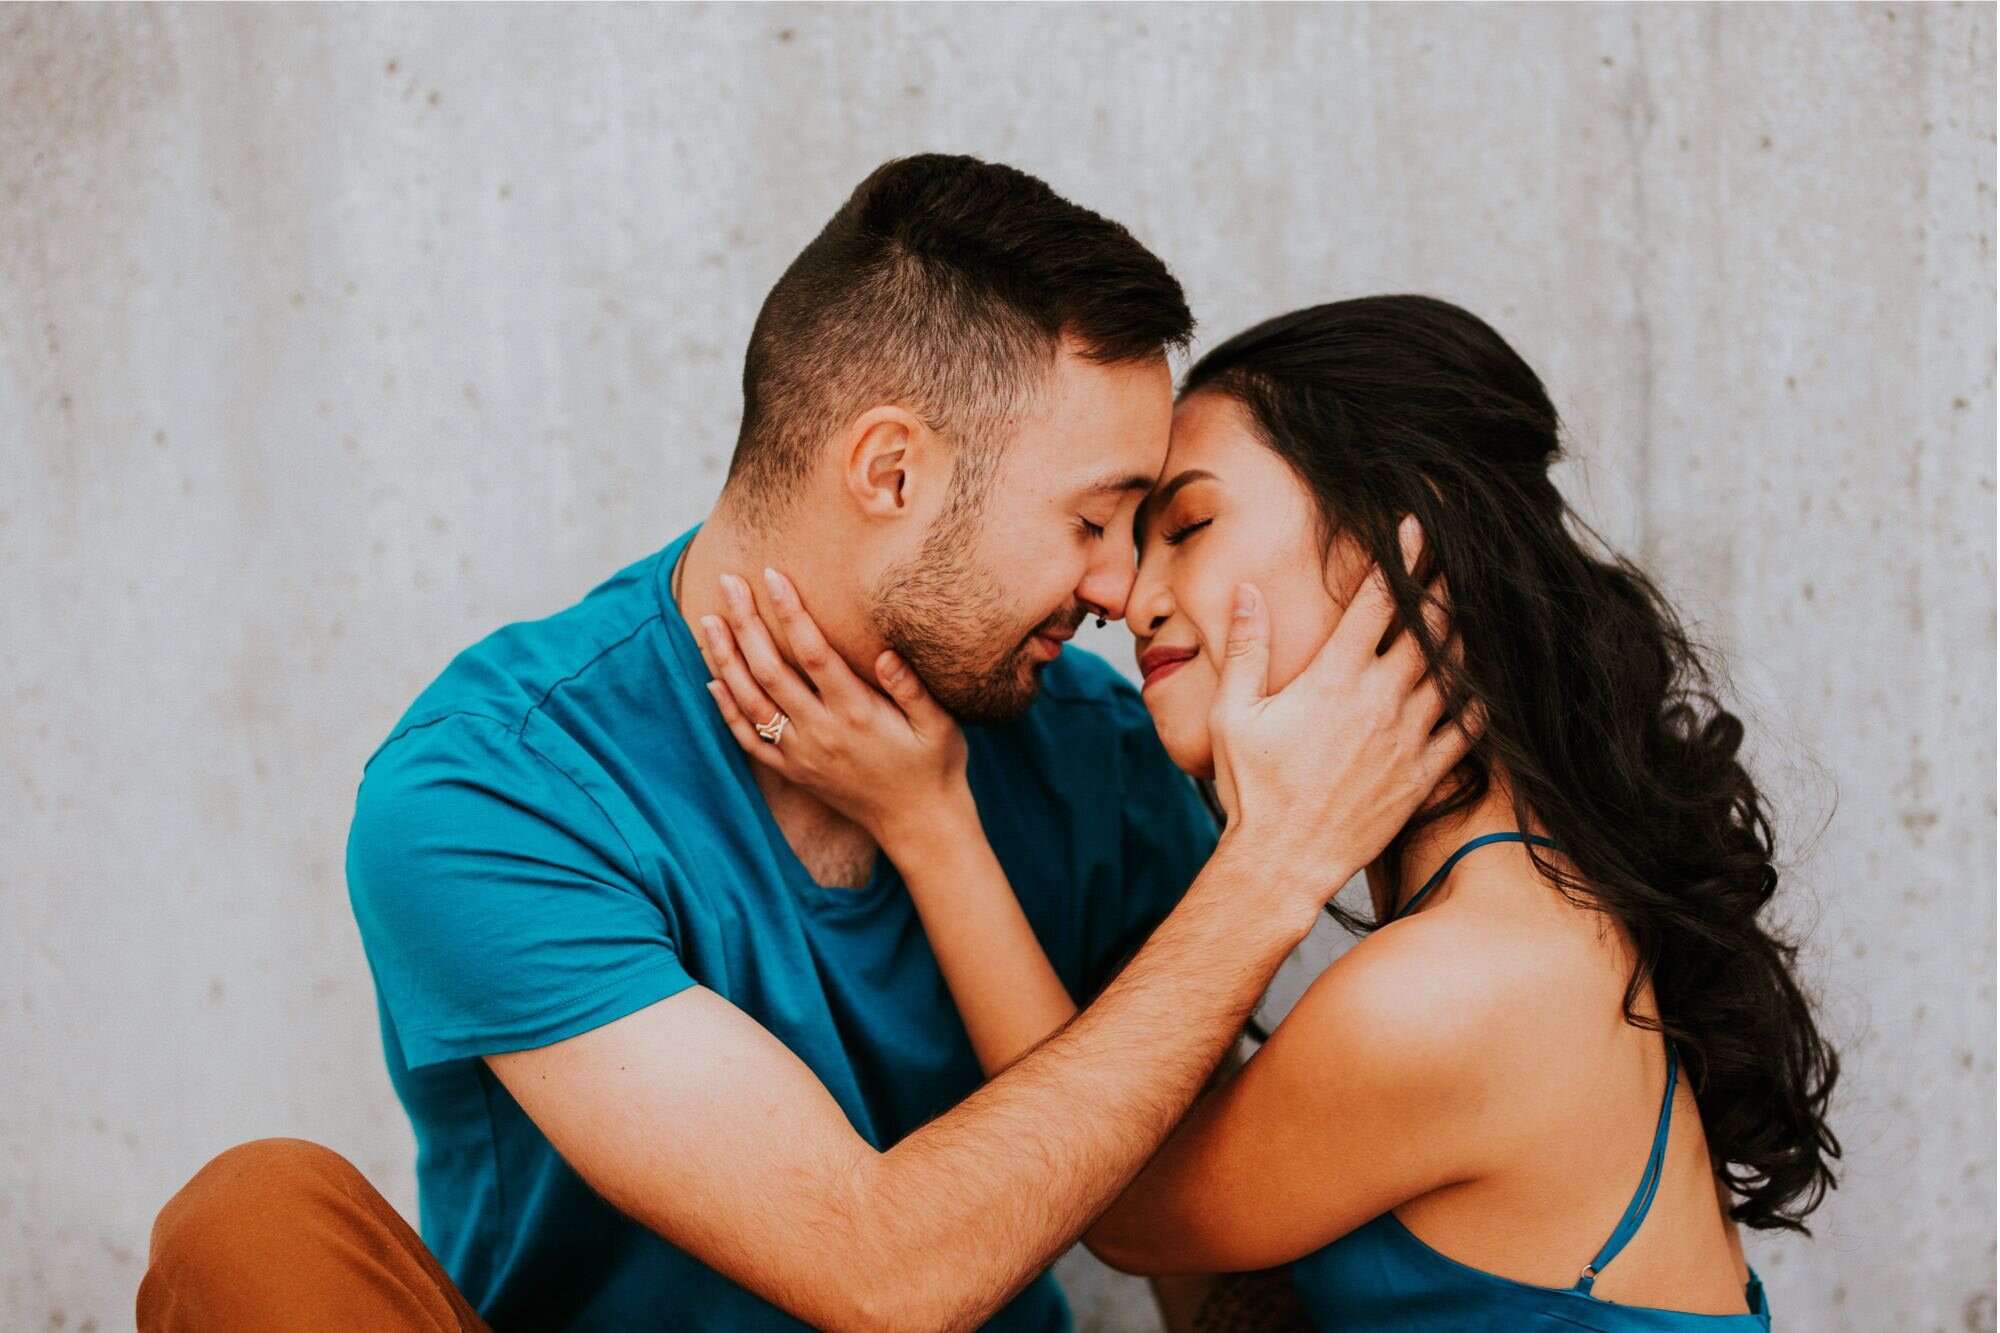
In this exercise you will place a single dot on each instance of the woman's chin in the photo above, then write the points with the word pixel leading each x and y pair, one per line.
pixel 1188 747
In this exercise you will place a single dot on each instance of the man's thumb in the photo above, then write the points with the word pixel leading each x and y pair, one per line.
pixel 1246 656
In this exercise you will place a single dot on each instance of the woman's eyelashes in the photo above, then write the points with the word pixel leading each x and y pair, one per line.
pixel 1175 536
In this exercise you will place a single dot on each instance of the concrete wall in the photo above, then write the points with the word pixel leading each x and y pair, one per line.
pixel 332 337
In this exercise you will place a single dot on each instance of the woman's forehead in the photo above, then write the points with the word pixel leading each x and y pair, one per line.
pixel 1215 433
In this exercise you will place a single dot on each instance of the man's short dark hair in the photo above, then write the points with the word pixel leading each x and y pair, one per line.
pixel 946 284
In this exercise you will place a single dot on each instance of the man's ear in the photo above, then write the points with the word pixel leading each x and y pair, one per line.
pixel 889 460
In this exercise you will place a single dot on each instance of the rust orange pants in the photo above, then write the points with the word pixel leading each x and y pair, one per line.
pixel 281 1234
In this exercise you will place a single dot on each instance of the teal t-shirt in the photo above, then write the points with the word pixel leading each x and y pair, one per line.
pixel 560 832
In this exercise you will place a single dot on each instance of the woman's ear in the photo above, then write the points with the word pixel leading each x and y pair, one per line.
pixel 887 457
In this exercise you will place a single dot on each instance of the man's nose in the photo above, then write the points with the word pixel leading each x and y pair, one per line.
pixel 1107 586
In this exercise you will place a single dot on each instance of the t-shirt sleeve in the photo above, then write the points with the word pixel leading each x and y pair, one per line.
pixel 1166 831
pixel 499 906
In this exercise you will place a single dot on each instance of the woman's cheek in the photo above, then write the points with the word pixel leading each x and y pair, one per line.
pixel 1182 719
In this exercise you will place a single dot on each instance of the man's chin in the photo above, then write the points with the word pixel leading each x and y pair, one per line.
pixel 988 701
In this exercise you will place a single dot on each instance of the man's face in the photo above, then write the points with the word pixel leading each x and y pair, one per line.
pixel 996 588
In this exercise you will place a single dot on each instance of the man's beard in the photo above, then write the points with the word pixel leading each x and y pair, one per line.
pixel 948 619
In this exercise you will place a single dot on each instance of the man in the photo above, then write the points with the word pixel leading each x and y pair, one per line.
pixel 673 1044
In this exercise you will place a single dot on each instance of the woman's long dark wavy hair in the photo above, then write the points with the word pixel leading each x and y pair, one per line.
pixel 1601 712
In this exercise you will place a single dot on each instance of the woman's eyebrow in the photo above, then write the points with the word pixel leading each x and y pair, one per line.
pixel 1164 495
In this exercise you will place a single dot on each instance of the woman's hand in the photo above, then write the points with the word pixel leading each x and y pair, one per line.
pixel 1317 778
pixel 891 759
pixel 894 764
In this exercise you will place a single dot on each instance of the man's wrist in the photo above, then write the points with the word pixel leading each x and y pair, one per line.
pixel 1287 887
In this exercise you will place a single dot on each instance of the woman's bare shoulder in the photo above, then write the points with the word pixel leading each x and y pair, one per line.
pixel 1444 1014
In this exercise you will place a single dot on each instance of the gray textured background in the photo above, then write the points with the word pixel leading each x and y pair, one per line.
pixel 332 338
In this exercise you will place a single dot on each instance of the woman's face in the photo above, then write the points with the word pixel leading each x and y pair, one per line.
pixel 1227 511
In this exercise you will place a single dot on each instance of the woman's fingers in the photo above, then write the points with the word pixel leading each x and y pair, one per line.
pixel 900 683
pixel 730 670
pixel 771 756
pixel 830 676
pixel 759 653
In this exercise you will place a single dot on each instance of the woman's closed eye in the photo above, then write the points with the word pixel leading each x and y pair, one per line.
pixel 1175 536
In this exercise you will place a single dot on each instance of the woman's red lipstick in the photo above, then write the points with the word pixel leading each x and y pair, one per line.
pixel 1157 663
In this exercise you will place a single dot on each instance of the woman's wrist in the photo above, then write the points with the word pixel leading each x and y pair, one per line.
pixel 926 828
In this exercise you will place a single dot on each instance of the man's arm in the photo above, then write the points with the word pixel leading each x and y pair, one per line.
pixel 698 1123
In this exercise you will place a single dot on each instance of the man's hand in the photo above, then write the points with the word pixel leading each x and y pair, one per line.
pixel 1319 776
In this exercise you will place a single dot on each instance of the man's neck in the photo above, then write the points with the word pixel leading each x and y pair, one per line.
pixel 834 851
pixel 723 546
pixel 728 543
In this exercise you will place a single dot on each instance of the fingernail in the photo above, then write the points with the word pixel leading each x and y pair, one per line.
pixel 735 592
pixel 892 666
pixel 1246 601
pixel 773 584
pixel 1409 528
pixel 713 628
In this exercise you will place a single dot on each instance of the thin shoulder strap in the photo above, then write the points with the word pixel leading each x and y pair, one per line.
pixel 1635 1211
pixel 1460 855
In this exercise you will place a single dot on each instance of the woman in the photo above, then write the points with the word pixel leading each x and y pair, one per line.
pixel 1566 1038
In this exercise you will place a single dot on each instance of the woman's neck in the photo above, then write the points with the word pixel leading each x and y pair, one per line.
pixel 1421 856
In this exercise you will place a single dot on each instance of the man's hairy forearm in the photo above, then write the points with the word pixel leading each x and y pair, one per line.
pixel 966 1210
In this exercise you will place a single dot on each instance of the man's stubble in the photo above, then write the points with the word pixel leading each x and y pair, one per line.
pixel 952 621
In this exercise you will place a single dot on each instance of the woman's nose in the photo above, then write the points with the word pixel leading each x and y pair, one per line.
pixel 1150 604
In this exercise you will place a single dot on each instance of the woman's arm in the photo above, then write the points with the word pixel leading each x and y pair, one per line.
pixel 1374 1090
pixel 1006 992
pixel 1350 1109
pixel 896 766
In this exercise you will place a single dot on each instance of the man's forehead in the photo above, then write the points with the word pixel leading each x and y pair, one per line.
pixel 1119 482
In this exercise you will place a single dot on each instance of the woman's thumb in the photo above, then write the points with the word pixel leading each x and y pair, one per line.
pixel 1247 654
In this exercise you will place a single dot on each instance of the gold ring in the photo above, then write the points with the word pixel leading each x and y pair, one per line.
pixel 774 730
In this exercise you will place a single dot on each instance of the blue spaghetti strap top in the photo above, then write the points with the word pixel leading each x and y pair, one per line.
pixel 1379 1278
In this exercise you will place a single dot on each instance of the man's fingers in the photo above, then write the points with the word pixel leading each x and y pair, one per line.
pixel 1368 615
pixel 1406 655
pixel 1365 621
pixel 829 674
pixel 1246 655
pixel 1410 536
pixel 1426 704
pixel 1451 743
pixel 1437 609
